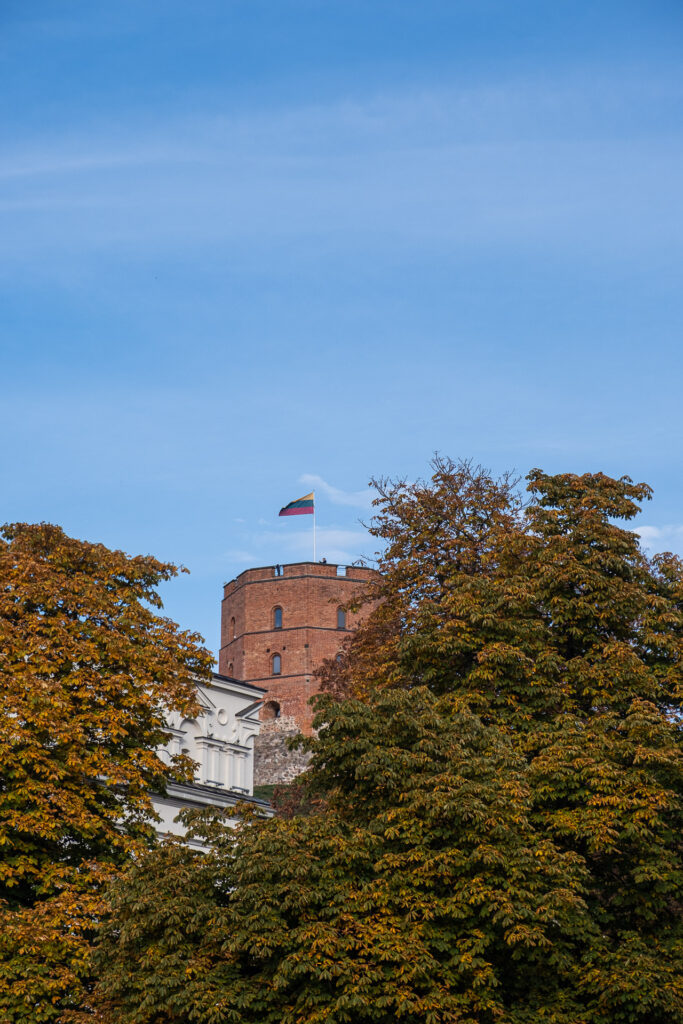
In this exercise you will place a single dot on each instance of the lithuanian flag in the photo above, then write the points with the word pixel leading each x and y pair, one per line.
pixel 300 507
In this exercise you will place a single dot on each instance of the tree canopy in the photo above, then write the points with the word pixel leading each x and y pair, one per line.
pixel 419 891
pixel 547 618
pixel 490 827
pixel 88 671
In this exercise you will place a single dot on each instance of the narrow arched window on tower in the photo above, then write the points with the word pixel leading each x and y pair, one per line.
pixel 341 618
pixel 277 665
pixel 277 618
pixel 233 634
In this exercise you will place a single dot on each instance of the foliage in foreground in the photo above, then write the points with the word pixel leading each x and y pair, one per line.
pixel 491 825
pixel 549 621
pixel 420 893
pixel 87 671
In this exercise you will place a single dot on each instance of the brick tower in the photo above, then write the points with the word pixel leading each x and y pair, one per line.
pixel 278 623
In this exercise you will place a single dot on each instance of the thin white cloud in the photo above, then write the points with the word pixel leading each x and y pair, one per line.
pixel 239 555
pixel 356 499
pixel 662 538
pixel 429 120
pixel 333 543
pixel 321 172
pixel 45 162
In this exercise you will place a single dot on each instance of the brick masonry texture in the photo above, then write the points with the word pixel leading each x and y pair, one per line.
pixel 309 594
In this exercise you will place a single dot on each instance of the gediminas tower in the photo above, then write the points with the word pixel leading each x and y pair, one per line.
pixel 279 622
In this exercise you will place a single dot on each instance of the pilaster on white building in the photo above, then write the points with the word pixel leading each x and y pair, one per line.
pixel 221 742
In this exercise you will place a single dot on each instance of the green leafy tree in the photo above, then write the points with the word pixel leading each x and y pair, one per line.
pixel 87 673
pixel 505 724
pixel 549 620
pixel 416 890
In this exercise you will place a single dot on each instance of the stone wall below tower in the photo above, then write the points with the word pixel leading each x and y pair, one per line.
pixel 274 762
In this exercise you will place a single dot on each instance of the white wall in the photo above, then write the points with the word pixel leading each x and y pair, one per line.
pixel 221 741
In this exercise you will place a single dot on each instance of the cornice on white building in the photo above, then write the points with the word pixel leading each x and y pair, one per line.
pixel 221 742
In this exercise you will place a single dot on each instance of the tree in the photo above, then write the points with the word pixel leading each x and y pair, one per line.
pixel 88 671
pixel 417 891
pixel 505 724
pixel 551 623
pixel 437 599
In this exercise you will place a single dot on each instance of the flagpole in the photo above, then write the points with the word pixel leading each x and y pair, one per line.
pixel 314 526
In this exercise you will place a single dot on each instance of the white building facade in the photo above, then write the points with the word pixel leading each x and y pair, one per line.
pixel 221 741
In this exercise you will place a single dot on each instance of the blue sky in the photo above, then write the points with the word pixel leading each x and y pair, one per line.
pixel 249 247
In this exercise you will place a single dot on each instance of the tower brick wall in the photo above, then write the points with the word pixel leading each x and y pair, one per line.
pixel 309 595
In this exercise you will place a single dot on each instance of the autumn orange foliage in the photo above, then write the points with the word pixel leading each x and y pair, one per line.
pixel 88 669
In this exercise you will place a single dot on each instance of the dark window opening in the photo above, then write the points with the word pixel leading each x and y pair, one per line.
pixel 270 710
pixel 341 618
pixel 277 664
pixel 233 634
pixel 277 618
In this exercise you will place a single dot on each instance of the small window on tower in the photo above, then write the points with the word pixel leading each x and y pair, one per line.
pixel 341 618
pixel 277 618
pixel 277 664
pixel 233 634
pixel 230 669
